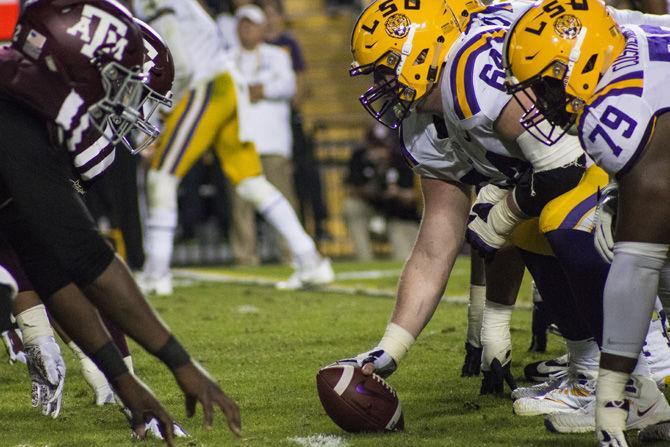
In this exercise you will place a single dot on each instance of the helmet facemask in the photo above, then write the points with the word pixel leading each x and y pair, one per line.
pixel 545 105
pixel 389 101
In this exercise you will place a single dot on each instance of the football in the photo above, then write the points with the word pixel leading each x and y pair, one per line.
pixel 358 403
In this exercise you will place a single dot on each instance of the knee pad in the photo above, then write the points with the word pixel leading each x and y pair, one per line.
pixel 257 191
pixel 162 189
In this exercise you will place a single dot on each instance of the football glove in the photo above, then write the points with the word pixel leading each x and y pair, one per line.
pixel 383 363
pixel 472 362
pixel 47 374
pixel 494 380
pixel 604 220
pixel 481 232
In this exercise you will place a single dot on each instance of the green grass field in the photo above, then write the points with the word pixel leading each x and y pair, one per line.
pixel 265 347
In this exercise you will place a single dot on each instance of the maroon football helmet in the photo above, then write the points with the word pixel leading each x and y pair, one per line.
pixel 159 70
pixel 94 49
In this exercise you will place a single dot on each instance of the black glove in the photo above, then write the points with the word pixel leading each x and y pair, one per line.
pixel 473 361
pixel 494 380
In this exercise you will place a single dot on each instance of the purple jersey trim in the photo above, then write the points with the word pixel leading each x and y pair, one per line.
pixel 627 77
pixel 578 212
pixel 468 82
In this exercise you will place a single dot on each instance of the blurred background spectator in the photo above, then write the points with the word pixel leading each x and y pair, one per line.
pixel 268 72
pixel 307 179
pixel 382 197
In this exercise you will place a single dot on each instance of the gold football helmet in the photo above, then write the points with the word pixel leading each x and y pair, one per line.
pixel 403 43
pixel 554 55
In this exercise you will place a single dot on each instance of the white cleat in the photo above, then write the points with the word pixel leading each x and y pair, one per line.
pixel 647 406
pixel 161 286
pixel 546 369
pixel 541 389
pixel 320 274
pixel 576 394
pixel 611 439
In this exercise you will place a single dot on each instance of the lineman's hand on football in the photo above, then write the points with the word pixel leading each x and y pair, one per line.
pixel 47 374
pixel 375 361
pixel 143 407
pixel 494 379
pixel 604 220
pixel 198 386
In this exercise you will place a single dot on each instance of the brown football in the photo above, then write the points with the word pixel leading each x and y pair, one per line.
pixel 358 403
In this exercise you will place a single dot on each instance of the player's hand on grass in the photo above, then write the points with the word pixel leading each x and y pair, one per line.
pixel 198 386
pixel 495 378
pixel 375 361
pixel 47 374
pixel 143 407
pixel 472 362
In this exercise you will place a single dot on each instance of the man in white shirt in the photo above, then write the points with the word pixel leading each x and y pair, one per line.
pixel 268 73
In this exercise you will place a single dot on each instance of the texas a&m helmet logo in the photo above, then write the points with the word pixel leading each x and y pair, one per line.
pixel 100 29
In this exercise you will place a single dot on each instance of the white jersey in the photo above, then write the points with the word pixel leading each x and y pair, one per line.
pixel 473 93
pixel 432 154
pixel 192 36
pixel 618 120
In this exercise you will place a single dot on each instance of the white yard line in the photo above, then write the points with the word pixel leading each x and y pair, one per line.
pixel 319 441
pixel 195 275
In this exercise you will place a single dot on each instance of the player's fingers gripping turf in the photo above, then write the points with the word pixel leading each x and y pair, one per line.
pixel 189 402
pixel 231 411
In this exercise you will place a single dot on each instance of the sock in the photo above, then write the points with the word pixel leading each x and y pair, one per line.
pixel 34 323
pixel 584 357
pixel 281 216
pixel 476 314
pixel 656 349
pixel 158 241
pixel 496 337
pixel 630 294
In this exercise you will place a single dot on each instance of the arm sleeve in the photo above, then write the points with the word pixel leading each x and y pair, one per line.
pixel 628 17
pixel 283 85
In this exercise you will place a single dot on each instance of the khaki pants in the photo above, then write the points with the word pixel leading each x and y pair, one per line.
pixel 279 171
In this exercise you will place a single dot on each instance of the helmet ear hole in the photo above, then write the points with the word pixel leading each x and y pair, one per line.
pixel 590 64
pixel 421 58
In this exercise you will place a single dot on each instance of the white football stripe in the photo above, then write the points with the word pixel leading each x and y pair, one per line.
pixel 319 441
pixel 345 379
pixel 395 417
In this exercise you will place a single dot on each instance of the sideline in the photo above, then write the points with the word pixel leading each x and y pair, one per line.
pixel 187 276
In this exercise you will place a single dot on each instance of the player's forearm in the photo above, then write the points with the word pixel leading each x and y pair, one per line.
pixel 117 296
pixel 421 288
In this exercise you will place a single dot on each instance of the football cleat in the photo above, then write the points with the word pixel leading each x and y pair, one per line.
pixel 304 277
pixel 155 286
pixel 473 360
pixel 576 394
pixel 540 389
pixel 647 406
pixel 546 369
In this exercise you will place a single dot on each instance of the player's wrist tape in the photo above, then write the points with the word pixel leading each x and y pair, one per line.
pixel 396 341
pixel 502 219
pixel 173 354
pixel 544 158
pixel 34 323
pixel 108 360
